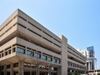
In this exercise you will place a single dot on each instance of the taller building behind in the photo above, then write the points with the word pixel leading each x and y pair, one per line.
pixel 28 48
pixel 89 53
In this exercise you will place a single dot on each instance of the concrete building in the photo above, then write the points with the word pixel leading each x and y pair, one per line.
pixel 28 48
pixel 89 53
pixel 94 72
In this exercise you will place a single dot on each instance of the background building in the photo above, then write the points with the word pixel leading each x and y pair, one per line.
pixel 28 48
pixel 89 53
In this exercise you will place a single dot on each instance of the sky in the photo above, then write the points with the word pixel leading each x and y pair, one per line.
pixel 77 20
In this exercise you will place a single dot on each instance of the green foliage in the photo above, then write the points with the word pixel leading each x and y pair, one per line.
pixel 98 74
pixel 78 74
pixel 72 74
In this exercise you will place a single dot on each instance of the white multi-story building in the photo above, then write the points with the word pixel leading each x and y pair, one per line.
pixel 89 53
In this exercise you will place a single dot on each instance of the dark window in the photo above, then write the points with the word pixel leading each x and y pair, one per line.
pixel 8 66
pixel 9 51
pixel 2 54
pixel 2 67
pixel 14 49
pixel 6 53
pixel 15 65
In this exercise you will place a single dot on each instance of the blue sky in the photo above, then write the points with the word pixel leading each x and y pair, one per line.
pixel 77 20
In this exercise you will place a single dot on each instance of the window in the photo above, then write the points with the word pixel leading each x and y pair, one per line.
pixel 37 55
pixel 58 61
pixel 8 66
pixel 19 50
pixel 14 49
pixel 82 52
pixel 2 67
pixel 29 53
pixel 2 54
pixel 44 57
pixel 15 65
pixel 9 51
pixel 6 53
pixel 54 60
pixel 49 59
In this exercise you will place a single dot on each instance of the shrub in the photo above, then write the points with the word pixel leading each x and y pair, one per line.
pixel 72 74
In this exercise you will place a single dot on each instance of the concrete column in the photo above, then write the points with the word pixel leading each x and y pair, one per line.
pixel 49 70
pixel 88 66
pixel 5 69
pixel 59 71
pixel 37 69
pixel 11 70
pixel 16 48
pixel 91 65
pixel 64 55
pixel 26 50
pixel 0 70
pixel 21 68
pixel 41 55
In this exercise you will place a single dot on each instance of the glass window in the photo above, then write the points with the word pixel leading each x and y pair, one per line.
pixel 15 65
pixel 44 57
pixel 29 53
pixel 52 68
pixel 19 50
pixel 58 61
pixel 8 66
pixel 9 51
pixel 37 55
pixel 82 52
pixel 49 59
pixel 54 60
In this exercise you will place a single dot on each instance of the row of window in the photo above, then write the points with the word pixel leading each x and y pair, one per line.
pixel 37 55
pixel 74 65
pixel 28 65
pixel 21 49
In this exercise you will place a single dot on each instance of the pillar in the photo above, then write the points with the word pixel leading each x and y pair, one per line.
pixel 0 70
pixel 11 70
pixel 64 55
pixel 88 66
pixel 21 68
pixel 91 65
pixel 49 70
pixel 59 71
pixel 26 50
pixel 5 70
pixel 37 69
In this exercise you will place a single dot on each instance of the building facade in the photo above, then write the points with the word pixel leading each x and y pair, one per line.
pixel 89 53
pixel 94 72
pixel 28 48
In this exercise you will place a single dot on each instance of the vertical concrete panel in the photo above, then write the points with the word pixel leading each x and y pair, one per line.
pixel 5 69
pixel 64 55
pixel 21 68
pixel 37 69
pixel 11 70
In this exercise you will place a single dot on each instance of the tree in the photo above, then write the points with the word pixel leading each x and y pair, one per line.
pixel 98 74
pixel 72 74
